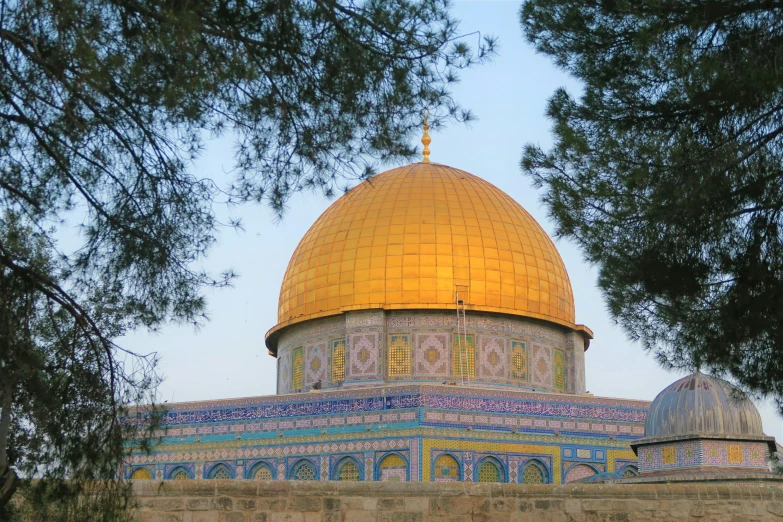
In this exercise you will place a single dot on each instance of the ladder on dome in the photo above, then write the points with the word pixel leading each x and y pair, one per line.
pixel 462 335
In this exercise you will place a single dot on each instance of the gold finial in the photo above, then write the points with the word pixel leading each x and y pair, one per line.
pixel 425 140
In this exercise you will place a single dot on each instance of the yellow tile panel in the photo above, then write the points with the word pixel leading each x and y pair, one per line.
pixel 383 242
pixel 487 447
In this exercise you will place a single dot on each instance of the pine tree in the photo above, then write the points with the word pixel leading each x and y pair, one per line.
pixel 103 108
pixel 666 171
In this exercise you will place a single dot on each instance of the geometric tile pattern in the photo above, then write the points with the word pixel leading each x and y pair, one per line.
pixel 297 361
pixel 316 363
pixel 488 472
pixel 399 355
pixel 446 469
pixel 409 424
pixel 493 361
pixel 578 472
pixel 338 360
pixel 431 448
pixel 703 453
pixel 533 474
pixel 393 468
pixel 541 365
pixel 518 360
pixel 502 351
pixel 284 373
pixel 141 474
pixel 559 370
pixel 363 355
pixel 432 354
pixel 464 356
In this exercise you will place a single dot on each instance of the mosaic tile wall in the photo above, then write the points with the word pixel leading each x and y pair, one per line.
pixel 397 435
pixel 719 453
pixel 418 455
pixel 409 346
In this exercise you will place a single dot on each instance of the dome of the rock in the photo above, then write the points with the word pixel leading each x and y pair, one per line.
pixel 409 238
pixel 704 405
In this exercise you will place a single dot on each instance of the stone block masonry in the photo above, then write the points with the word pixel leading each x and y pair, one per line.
pixel 291 501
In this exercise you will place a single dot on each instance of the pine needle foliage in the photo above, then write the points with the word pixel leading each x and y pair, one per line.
pixel 666 171
pixel 65 393
pixel 104 106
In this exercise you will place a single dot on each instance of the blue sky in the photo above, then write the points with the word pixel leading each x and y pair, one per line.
pixel 227 358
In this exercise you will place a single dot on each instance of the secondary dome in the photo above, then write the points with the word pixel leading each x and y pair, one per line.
pixel 410 237
pixel 701 405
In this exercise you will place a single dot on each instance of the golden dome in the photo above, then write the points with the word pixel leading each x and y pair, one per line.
pixel 409 237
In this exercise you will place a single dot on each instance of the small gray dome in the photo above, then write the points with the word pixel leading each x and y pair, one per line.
pixel 702 405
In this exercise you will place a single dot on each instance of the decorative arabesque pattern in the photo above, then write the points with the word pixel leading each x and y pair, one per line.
pixel 630 472
pixel 297 363
pixel 541 366
pixel 518 361
pixel 364 355
pixel 493 362
pixel 488 472
pixel 533 475
pixel 221 473
pixel 180 475
pixel 579 472
pixel 393 468
pixel 141 474
pixel 348 472
pixel 262 473
pixel 284 373
pixel 338 360
pixel 446 469
pixel 432 354
pixel 315 363
pixel 559 370
pixel 463 362
pixel 304 471
pixel 399 355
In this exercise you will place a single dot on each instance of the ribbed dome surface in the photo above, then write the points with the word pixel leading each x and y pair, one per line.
pixel 406 239
pixel 701 404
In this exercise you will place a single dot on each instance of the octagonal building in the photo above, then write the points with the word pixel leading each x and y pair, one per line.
pixel 426 332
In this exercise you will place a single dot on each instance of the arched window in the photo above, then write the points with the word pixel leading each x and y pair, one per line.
pixel 220 472
pixel 347 470
pixel 579 472
pixel 262 472
pixel 141 474
pixel 179 474
pixel 446 469
pixel 393 468
pixel 534 473
pixel 303 470
pixel 490 470
pixel 628 471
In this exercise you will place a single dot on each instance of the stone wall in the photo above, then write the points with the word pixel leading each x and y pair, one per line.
pixel 279 501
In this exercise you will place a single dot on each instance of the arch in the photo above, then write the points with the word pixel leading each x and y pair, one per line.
pixel 447 469
pixel 489 469
pixel 303 470
pixel 393 467
pixel 578 472
pixel 534 472
pixel 261 471
pixel 180 473
pixel 141 474
pixel 220 471
pixel 347 469
pixel 628 471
